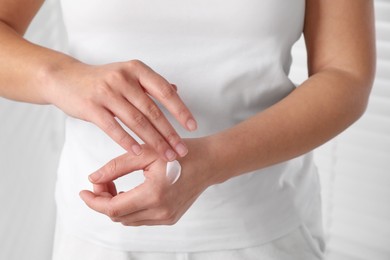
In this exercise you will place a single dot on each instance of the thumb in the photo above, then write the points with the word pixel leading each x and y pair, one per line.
pixel 120 166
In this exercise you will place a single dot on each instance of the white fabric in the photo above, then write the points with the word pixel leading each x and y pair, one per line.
pixel 230 60
pixel 294 246
pixel 303 243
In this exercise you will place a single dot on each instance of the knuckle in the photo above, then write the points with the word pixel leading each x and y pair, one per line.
pixel 111 167
pixel 112 212
pixel 89 111
pixel 167 92
pixel 160 145
pixel 115 219
pixel 135 63
pixel 154 112
pixel 139 120
pixel 182 112
pixel 172 137
pixel 165 214
pixel 171 221
pixel 131 224
pixel 174 221
pixel 156 200
pixel 103 90
pixel 125 223
pixel 115 76
pixel 109 126
pixel 124 138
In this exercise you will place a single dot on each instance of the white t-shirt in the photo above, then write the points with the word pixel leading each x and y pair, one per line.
pixel 230 59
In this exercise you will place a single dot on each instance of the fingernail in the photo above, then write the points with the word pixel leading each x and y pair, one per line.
pixel 191 125
pixel 137 149
pixel 181 149
pixel 95 176
pixel 171 155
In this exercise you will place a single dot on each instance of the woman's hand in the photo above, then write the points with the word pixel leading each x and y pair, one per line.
pixel 156 201
pixel 98 94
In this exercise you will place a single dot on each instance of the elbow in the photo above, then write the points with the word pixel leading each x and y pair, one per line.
pixel 361 86
pixel 364 82
pixel 361 108
pixel 351 90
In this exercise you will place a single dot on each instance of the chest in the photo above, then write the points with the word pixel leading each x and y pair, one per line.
pixel 247 18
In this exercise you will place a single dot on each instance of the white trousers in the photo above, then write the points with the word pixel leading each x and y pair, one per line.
pixel 297 245
pixel 306 242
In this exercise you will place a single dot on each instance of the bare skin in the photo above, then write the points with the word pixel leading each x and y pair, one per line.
pixel 341 51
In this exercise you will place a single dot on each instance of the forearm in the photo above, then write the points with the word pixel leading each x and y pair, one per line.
pixel 25 66
pixel 322 107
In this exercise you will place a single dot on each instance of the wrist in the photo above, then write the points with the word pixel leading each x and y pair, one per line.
pixel 49 75
pixel 220 159
pixel 204 162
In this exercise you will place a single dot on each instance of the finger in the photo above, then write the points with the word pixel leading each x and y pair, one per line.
pixel 148 107
pixel 129 202
pixel 140 102
pixel 120 166
pixel 141 215
pixel 107 204
pixel 108 187
pixel 163 91
pixel 96 202
pixel 112 188
pixel 140 125
pixel 150 216
pixel 147 218
pixel 173 85
pixel 115 207
pixel 106 121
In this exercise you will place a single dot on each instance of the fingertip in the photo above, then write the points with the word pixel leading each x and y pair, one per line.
pixel 137 149
pixel 181 149
pixel 170 155
pixel 191 125
pixel 95 177
pixel 84 194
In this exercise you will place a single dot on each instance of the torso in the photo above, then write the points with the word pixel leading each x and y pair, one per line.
pixel 230 60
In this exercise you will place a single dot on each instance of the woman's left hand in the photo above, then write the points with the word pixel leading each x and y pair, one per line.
pixel 156 201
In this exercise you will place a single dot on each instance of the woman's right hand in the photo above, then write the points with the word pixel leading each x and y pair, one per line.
pixel 98 94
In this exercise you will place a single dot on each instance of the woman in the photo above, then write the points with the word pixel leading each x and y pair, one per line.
pixel 248 189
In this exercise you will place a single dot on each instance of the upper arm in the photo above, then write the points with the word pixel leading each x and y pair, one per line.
pixel 18 14
pixel 340 34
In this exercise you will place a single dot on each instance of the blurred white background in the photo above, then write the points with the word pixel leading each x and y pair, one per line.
pixel 354 167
